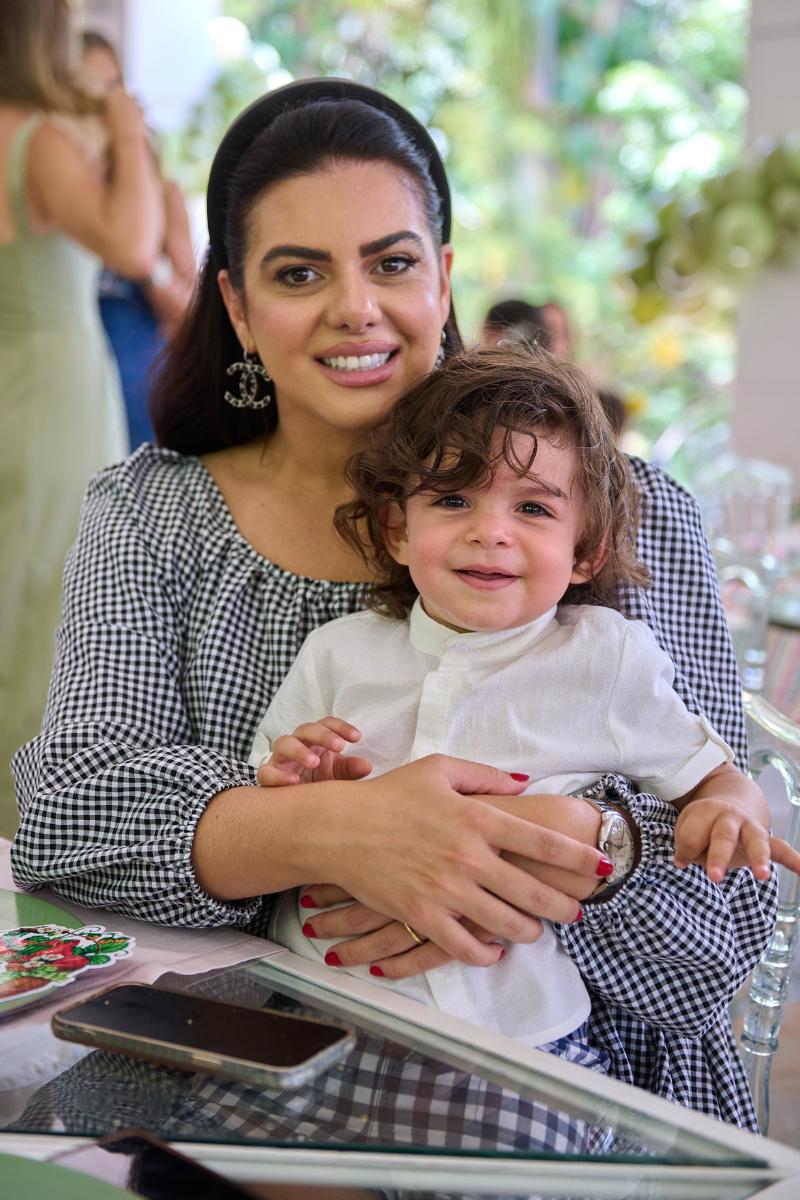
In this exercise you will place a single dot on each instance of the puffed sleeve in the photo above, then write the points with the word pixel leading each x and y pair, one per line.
pixel 671 948
pixel 111 790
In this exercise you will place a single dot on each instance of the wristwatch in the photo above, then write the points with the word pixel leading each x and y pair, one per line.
pixel 618 841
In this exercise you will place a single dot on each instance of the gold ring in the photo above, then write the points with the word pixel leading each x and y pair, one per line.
pixel 413 935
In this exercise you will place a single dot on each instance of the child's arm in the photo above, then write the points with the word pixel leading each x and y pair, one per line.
pixel 724 822
pixel 313 754
pixel 673 753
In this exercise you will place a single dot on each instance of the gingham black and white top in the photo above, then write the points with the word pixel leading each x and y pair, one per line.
pixel 175 635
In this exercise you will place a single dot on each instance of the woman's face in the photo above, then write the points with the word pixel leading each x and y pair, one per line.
pixel 344 294
pixel 100 70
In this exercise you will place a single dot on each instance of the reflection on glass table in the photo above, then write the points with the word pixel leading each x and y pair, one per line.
pixel 443 1109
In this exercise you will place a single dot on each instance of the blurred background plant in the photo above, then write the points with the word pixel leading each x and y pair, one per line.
pixel 722 236
pixel 566 126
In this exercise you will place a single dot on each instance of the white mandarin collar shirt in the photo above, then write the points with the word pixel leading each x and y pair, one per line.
pixel 575 694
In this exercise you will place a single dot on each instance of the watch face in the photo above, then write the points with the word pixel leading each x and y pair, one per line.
pixel 616 842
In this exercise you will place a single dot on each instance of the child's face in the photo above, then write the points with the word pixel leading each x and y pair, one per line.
pixel 498 556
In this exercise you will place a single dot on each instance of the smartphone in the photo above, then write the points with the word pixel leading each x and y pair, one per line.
pixel 259 1046
pixel 145 1166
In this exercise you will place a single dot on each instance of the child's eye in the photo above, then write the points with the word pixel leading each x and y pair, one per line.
pixel 450 502
pixel 396 264
pixel 532 509
pixel 296 276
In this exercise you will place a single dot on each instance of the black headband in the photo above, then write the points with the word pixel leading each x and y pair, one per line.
pixel 263 111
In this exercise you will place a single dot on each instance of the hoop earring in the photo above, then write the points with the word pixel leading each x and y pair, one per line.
pixel 437 362
pixel 252 370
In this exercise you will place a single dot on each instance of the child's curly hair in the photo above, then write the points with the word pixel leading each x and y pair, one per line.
pixel 440 437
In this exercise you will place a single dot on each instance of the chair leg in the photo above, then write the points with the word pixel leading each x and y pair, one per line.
pixel 763 1014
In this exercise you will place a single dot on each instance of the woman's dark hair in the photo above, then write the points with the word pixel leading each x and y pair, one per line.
pixel 92 40
pixel 187 405
pixel 440 437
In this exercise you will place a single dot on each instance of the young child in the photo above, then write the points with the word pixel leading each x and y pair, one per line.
pixel 501 523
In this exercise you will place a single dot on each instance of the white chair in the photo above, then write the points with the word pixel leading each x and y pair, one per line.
pixel 746 584
pixel 745 501
pixel 774 742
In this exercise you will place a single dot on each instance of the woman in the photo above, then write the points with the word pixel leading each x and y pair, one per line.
pixel 200 568
pixel 139 315
pixel 60 405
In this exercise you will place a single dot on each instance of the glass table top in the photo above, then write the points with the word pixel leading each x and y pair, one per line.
pixel 410 1105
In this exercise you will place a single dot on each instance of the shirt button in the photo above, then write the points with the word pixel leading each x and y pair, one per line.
pixel 442 684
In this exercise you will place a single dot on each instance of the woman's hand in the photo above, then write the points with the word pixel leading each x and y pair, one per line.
pixel 123 115
pixel 417 844
pixel 564 814
pixel 375 940
pixel 447 854
pixel 419 849
pixel 388 947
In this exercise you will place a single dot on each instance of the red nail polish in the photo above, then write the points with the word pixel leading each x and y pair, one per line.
pixel 604 867
pixel 519 778
pixel 306 901
pixel 580 914
pixel 376 971
pixel 332 959
pixel 502 954
pixel 308 930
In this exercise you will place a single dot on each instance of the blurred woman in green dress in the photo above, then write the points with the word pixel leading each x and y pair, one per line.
pixel 77 187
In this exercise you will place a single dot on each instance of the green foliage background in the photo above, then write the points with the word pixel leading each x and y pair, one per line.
pixel 565 125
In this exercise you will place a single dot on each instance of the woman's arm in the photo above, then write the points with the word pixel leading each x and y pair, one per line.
pixel 120 220
pixel 671 946
pixel 112 788
pixel 170 297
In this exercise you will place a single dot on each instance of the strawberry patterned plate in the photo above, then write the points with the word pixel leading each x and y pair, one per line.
pixel 35 960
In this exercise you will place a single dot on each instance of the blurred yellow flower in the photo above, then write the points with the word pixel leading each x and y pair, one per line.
pixel 667 351
pixel 635 404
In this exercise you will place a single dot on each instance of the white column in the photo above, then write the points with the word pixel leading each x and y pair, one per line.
pixel 766 420
pixel 168 58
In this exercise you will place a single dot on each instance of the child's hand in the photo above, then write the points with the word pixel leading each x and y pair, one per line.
pixel 312 754
pixel 720 836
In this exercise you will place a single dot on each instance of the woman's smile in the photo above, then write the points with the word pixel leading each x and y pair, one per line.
pixel 359 364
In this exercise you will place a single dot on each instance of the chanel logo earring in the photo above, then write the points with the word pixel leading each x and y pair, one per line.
pixel 440 352
pixel 250 379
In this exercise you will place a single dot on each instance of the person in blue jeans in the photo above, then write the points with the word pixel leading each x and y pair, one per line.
pixel 139 316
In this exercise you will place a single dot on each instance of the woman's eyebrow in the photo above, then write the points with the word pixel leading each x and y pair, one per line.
pixel 367 248
pixel 288 251
pixel 404 235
